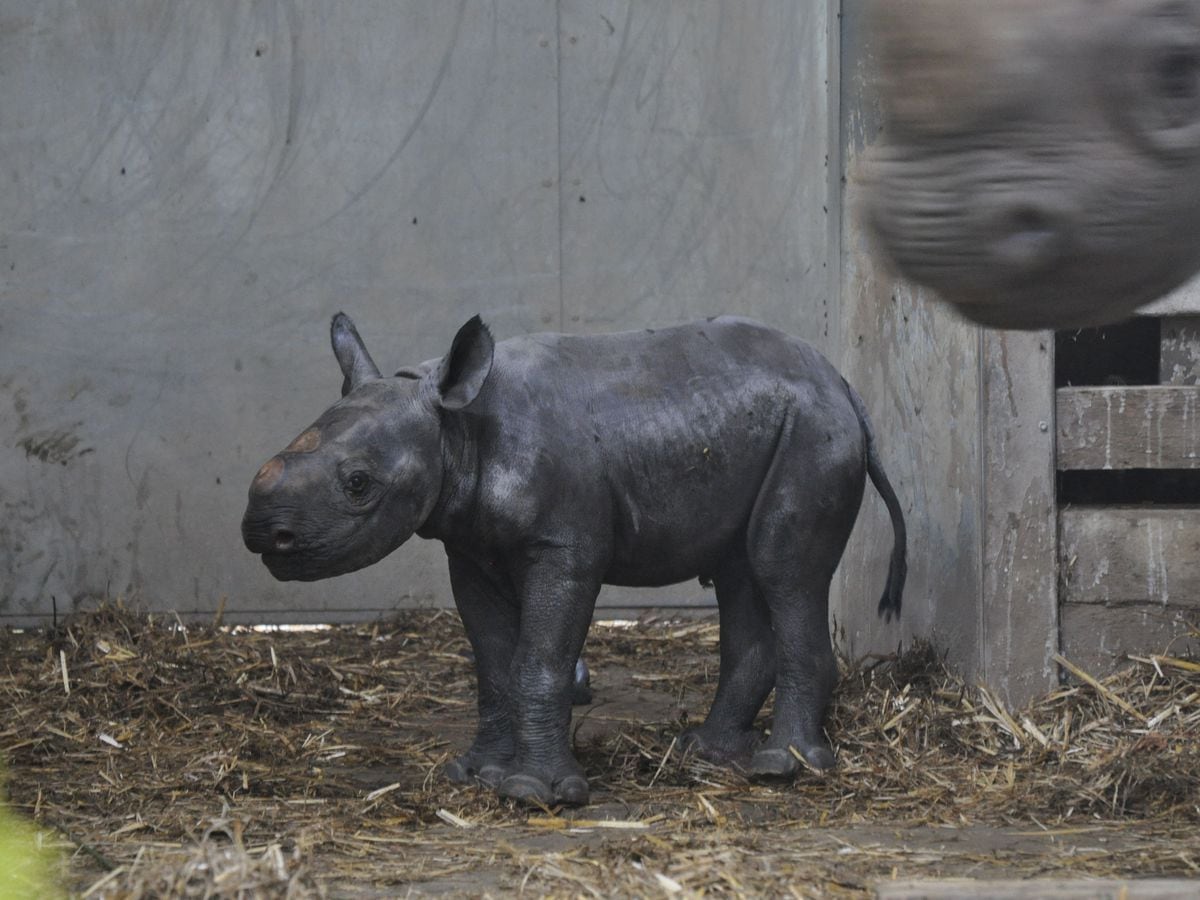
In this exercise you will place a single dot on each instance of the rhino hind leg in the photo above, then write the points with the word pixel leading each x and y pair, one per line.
pixel 797 536
pixel 747 671
pixel 581 688
pixel 804 681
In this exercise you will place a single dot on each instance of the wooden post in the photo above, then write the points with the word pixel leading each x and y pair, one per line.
pixel 1019 595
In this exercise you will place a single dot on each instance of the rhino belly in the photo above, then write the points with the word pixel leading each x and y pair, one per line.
pixel 681 537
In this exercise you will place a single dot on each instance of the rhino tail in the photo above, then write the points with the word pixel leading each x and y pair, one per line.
pixel 889 603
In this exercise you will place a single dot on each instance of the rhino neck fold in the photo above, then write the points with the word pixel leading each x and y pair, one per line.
pixel 450 516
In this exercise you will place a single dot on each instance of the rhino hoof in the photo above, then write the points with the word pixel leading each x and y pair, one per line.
pixel 456 770
pixel 772 764
pixel 820 758
pixel 733 747
pixel 527 789
pixel 460 771
pixel 573 790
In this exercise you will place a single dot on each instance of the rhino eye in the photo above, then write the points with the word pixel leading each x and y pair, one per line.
pixel 1156 92
pixel 356 485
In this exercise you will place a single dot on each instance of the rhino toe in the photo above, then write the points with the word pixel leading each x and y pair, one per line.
pixel 772 764
pixel 467 770
pixel 573 790
pixel 730 747
pixel 525 788
pixel 456 770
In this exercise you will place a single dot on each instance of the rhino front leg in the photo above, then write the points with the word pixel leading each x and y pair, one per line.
pixel 491 618
pixel 555 614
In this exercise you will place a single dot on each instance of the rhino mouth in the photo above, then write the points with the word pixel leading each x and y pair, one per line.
pixel 310 563
pixel 288 567
pixel 285 566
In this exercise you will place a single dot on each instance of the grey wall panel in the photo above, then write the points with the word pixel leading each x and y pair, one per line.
pixel 694 144
pixel 190 191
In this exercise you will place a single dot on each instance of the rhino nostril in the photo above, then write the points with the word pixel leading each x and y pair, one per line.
pixel 284 540
pixel 1029 218
pixel 1029 237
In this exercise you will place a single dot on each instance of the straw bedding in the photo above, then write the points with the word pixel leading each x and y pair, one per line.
pixel 213 762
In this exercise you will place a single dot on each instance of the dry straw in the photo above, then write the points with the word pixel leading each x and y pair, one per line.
pixel 214 762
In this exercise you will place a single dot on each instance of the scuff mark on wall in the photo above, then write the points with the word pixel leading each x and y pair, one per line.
pixel 55 445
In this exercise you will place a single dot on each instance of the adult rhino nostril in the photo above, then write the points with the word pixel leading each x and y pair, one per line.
pixel 1029 237
pixel 1028 218
pixel 284 540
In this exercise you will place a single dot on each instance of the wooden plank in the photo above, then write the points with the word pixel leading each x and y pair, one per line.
pixel 1098 639
pixel 1179 351
pixel 1122 555
pixel 1154 427
pixel 1040 889
pixel 1020 527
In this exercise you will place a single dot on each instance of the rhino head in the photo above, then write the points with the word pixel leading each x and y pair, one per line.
pixel 1039 164
pixel 368 473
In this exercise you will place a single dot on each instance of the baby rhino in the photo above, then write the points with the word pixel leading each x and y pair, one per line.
pixel 551 464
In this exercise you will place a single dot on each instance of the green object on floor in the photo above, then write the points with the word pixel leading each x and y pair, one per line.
pixel 26 868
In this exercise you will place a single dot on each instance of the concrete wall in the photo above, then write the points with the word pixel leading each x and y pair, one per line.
pixel 917 366
pixel 192 189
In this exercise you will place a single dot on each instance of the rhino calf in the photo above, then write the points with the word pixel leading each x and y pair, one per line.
pixel 551 464
pixel 1039 163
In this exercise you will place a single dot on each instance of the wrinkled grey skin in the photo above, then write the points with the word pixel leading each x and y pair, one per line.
pixel 1039 164
pixel 551 464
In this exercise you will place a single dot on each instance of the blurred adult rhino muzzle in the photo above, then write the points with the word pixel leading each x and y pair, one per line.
pixel 1039 163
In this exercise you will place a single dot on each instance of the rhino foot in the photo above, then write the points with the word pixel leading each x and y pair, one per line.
pixel 776 764
pixel 724 747
pixel 571 790
pixel 471 769
pixel 771 764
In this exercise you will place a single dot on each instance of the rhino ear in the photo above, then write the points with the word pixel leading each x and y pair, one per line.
pixel 356 363
pixel 462 372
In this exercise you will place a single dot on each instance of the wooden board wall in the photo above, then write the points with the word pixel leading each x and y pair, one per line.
pixel 1130 583
pixel 1129 575
pixel 1152 427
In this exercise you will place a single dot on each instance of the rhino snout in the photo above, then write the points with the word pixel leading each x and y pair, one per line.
pixel 267 537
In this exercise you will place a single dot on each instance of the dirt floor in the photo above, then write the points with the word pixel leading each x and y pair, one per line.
pixel 201 761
